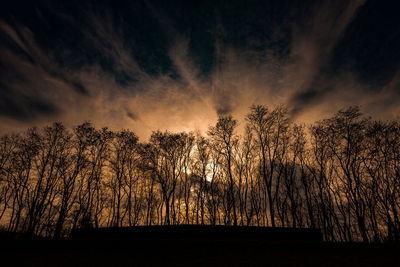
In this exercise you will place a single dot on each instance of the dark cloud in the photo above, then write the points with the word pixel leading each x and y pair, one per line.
pixel 224 110
pixel 369 47
pixel 24 107
pixel 132 115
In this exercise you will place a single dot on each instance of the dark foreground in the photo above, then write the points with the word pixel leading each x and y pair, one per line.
pixel 192 249
pixel 200 232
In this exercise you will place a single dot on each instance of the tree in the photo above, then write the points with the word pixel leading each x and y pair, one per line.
pixel 270 128
pixel 166 156
pixel 224 140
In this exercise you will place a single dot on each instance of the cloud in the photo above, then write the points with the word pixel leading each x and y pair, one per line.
pixel 114 89
pixel 312 47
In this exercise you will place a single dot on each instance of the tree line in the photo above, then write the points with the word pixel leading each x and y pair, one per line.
pixel 340 175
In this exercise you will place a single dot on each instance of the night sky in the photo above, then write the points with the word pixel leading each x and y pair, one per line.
pixel 177 65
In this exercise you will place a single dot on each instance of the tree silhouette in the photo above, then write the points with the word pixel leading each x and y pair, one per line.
pixel 340 175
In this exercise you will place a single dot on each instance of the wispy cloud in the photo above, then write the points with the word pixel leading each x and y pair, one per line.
pixel 116 91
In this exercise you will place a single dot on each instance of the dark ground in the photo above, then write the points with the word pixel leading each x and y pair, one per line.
pixel 193 251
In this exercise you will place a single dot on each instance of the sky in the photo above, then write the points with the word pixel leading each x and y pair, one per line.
pixel 177 65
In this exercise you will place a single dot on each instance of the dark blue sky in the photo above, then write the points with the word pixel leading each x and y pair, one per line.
pixel 177 64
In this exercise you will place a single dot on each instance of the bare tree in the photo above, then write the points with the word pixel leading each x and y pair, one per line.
pixel 125 174
pixel 7 147
pixel 340 176
pixel 90 189
pixel 269 127
pixel 167 160
pixel 224 140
